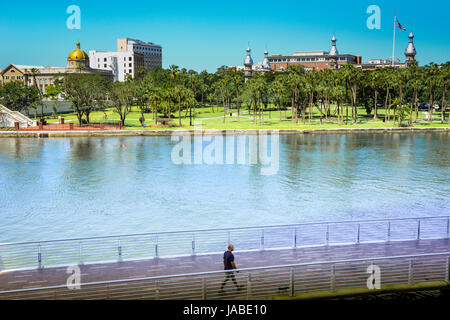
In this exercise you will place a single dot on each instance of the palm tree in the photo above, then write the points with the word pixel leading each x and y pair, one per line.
pixel 444 80
pixel 180 92
pixel 374 80
pixel 174 71
pixel 34 72
pixel 238 82
pixel 431 76
pixel 415 82
pixel 276 88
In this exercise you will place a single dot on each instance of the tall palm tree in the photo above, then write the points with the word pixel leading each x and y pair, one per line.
pixel 431 76
pixel 174 71
pixel 415 83
pixel 238 82
pixel 34 73
pixel 444 81
pixel 374 80
pixel 180 92
pixel 276 88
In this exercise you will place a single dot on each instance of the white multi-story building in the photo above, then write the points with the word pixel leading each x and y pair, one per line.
pixel 131 55
pixel 120 64
pixel 152 52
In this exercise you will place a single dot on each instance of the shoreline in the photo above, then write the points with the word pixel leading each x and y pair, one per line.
pixel 182 132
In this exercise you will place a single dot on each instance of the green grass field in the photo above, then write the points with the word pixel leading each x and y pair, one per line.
pixel 215 120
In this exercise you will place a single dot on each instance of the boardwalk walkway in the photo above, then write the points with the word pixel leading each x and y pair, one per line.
pixel 14 280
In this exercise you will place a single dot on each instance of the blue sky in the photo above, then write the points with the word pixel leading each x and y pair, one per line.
pixel 207 34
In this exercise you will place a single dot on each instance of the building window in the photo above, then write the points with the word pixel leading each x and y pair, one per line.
pixel 130 59
pixel 130 71
pixel 130 65
pixel 105 65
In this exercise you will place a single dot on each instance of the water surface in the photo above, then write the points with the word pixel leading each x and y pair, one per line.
pixel 75 187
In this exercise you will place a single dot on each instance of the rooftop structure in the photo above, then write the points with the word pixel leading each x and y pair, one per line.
pixel 313 59
pixel 410 51
pixel 152 52
pixel 131 56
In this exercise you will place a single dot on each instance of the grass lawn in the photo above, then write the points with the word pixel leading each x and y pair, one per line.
pixel 214 119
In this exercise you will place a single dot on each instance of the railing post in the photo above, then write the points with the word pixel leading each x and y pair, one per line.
pixel 81 254
pixel 203 289
pixel 249 286
pixel 333 279
pixel 156 247
pixel 119 248
pixel 448 226
pixel 39 257
pixel 229 238
pixel 261 244
pixel 327 235
pixel 193 244
pixel 447 270
pixel 418 230
pixel 410 273
pixel 292 283
pixel 389 232
pixel 158 296
pixel 358 235
pixel 295 238
pixel 107 292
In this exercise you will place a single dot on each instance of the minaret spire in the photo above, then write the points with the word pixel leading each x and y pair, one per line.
pixel 333 55
pixel 248 64
pixel 410 51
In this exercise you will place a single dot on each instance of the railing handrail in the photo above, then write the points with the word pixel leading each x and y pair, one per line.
pixel 222 229
pixel 235 270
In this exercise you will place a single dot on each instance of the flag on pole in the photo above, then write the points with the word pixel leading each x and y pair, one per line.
pixel 400 26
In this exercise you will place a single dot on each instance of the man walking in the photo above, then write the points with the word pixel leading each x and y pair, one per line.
pixel 228 263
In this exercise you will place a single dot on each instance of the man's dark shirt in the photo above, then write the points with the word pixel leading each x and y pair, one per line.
pixel 228 257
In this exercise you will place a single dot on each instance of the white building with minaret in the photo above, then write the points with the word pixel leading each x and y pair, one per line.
pixel 333 55
pixel 248 65
pixel 410 51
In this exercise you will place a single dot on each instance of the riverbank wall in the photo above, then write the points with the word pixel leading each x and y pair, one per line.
pixel 181 132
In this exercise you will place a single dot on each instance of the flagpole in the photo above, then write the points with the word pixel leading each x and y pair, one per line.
pixel 393 42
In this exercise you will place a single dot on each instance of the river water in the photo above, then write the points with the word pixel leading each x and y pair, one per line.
pixel 94 186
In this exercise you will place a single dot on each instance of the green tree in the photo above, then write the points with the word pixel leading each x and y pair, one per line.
pixel 17 96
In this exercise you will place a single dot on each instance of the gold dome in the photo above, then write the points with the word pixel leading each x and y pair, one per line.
pixel 78 54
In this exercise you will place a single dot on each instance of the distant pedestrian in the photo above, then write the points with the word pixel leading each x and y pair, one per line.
pixel 228 263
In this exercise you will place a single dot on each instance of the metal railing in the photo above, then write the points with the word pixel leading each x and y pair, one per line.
pixel 39 254
pixel 260 282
